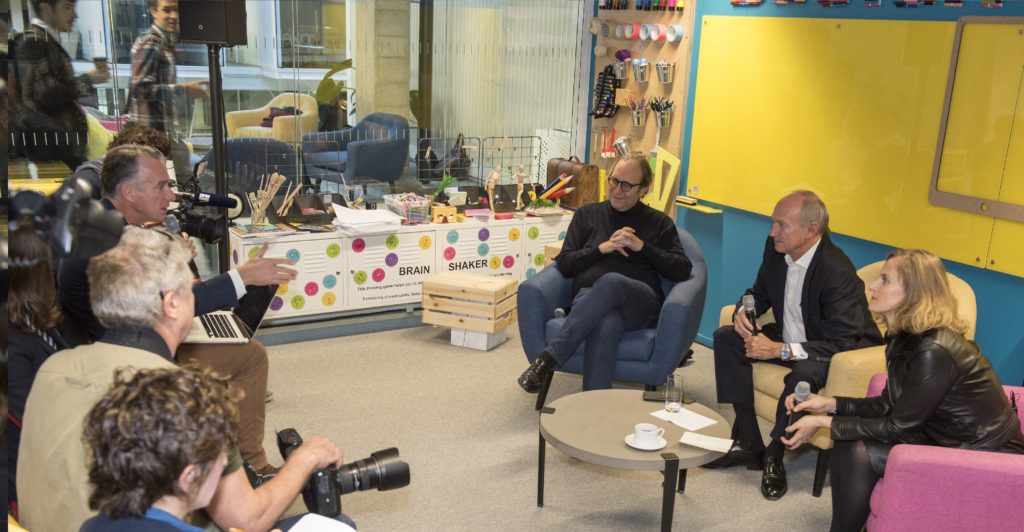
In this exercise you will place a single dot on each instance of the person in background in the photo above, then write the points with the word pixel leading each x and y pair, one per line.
pixel 50 124
pixel 819 307
pixel 941 390
pixel 32 330
pixel 616 252
pixel 155 98
pixel 131 133
pixel 158 443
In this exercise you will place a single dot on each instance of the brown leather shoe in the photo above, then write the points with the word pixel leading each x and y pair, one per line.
pixel 533 378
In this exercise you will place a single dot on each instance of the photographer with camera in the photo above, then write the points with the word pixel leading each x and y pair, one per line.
pixel 137 185
pixel 142 294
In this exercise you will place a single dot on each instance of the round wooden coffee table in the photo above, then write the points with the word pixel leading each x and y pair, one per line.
pixel 591 426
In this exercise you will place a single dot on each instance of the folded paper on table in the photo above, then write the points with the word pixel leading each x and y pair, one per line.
pixel 319 523
pixel 684 418
pixel 358 222
pixel 710 443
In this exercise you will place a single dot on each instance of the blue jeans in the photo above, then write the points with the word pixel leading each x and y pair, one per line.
pixel 599 316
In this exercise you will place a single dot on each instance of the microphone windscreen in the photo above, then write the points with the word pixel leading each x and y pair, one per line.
pixel 802 391
pixel 748 303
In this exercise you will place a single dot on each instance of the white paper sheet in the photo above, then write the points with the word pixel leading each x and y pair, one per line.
pixel 687 419
pixel 319 523
pixel 352 222
pixel 710 443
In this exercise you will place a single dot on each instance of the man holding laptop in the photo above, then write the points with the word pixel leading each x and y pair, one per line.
pixel 136 183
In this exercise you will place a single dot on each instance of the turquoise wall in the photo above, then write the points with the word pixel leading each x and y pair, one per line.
pixel 734 240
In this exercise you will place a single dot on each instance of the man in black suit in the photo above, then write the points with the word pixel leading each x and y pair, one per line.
pixel 819 308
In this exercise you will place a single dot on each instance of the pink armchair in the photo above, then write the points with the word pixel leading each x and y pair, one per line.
pixel 940 488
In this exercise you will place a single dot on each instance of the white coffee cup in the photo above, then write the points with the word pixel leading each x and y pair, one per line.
pixel 646 434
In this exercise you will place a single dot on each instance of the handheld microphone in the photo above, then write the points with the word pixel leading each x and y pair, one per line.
pixel 202 199
pixel 751 311
pixel 801 392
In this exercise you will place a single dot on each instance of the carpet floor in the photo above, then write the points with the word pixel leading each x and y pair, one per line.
pixel 469 434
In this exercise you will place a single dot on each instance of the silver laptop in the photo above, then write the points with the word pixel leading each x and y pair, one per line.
pixel 237 326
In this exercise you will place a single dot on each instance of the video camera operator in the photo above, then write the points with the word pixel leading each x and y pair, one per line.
pixel 136 184
pixel 142 332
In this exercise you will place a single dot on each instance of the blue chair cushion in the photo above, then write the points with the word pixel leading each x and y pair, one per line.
pixel 332 160
pixel 636 346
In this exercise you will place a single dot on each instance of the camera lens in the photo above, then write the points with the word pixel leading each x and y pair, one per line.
pixel 383 470
pixel 209 227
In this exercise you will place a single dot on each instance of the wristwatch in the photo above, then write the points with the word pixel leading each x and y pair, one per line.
pixel 786 353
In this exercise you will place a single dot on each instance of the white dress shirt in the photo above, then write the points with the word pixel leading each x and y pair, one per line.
pixel 793 331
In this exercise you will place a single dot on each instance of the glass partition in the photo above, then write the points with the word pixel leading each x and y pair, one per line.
pixel 356 97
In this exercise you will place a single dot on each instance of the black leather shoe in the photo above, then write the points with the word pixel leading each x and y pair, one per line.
pixel 533 378
pixel 258 477
pixel 773 481
pixel 739 454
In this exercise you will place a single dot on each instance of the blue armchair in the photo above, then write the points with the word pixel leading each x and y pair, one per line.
pixel 645 356
pixel 376 148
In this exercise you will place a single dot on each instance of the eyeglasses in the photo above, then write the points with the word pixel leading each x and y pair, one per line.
pixel 624 185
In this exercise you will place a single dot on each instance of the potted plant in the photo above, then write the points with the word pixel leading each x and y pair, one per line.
pixel 332 95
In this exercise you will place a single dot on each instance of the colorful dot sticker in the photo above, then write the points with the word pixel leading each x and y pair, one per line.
pixel 359 277
pixel 234 256
pixel 298 302
pixel 449 253
pixel 333 251
pixel 533 233
pixel 391 259
pixel 330 281
pixel 329 299
pixel 495 262
pixel 252 252
pixel 276 303
pixel 391 242
pixel 513 234
pixel 282 289
pixel 482 250
pixel 538 260
pixel 509 261
pixel 425 242
pixel 378 275
pixel 358 245
pixel 484 234
pixel 530 272
pixel 292 255
pixel 312 288
pixel 452 237
pixel 561 236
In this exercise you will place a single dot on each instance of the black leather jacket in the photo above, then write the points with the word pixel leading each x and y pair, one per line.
pixel 941 391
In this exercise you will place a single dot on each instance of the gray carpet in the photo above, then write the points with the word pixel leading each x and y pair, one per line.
pixel 469 434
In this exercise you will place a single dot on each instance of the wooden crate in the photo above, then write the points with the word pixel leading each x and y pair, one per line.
pixel 469 301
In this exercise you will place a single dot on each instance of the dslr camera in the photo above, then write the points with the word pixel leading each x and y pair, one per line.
pixel 383 470
pixel 210 228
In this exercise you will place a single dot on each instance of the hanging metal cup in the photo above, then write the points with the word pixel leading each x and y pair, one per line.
pixel 665 72
pixel 622 146
pixel 620 70
pixel 639 117
pixel 663 118
pixel 641 72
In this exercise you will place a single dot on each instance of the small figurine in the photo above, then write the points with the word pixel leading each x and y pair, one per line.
pixel 520 177
pixel 492 181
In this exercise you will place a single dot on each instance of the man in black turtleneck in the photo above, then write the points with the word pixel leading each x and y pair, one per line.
pixel 616 253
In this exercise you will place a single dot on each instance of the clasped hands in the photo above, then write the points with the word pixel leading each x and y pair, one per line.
pixel 622 240
pixel 807 425
pixel 757 346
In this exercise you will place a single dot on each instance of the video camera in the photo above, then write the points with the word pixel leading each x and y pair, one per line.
pixel 383 470
pixel 76 225
pixel 211 228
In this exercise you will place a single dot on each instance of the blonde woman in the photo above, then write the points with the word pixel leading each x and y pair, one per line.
pixel 941 390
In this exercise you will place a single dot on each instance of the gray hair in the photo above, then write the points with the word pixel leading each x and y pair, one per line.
pixel 812 209
pixel 127 281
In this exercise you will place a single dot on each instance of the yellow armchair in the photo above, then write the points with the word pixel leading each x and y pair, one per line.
pixel 849 372
pixel 246 123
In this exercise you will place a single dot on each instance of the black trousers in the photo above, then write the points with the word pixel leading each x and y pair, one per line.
pixel 734 373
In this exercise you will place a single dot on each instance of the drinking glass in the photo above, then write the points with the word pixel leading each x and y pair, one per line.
pixel 674 392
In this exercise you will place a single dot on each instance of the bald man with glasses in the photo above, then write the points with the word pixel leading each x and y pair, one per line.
pixel 616 252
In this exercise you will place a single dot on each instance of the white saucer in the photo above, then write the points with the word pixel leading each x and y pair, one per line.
pixel 659 444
